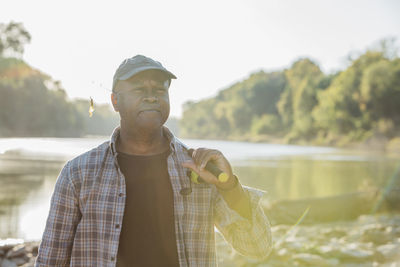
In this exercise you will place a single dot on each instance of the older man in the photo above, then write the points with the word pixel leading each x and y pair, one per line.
pixel 129 202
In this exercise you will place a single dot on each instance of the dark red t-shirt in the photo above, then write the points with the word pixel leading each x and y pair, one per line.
pixel 148 227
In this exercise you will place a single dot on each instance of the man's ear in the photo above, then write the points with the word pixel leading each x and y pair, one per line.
pixel 114 101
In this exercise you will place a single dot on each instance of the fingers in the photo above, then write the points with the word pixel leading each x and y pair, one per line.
pixel 202 156
pixel 205 175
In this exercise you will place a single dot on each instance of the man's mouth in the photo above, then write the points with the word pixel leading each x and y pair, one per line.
pixel 149 110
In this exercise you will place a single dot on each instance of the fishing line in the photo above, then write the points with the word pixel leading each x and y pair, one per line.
pixel 386 190
pixel 300 220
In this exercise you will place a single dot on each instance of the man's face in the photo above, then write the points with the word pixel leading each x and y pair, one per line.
pixel 143 100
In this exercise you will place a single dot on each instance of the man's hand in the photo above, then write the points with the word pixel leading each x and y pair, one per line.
pixel 201 157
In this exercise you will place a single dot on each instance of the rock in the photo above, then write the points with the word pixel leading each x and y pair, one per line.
pixel 329 233
pixel 20 260
pixel 310 259
pixel 31 263
pixel 327 251
pixel 5 248
pixel 271 263
pixel 279 254
pixel 282 252
pixel 294 245
pixel 8 263
pixel 355 254
pixel 367 264
pixel 34 250
pixel 17 251
pixel 353 235
pixel 10 243
pixel 379 235
pixel 322 209
pixel 280 229
pixel 32 247
pixel 396 232
pixel 333 262
pixel 389 252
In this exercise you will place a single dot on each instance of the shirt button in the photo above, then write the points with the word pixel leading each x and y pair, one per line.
pixel 117 226
pixel 120 194
pixel 112 258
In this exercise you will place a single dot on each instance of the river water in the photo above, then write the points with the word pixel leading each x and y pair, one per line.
pixel 29 168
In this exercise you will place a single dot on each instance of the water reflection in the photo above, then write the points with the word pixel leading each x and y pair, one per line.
pixel 298 177
pixel 26 183
pixel 26 186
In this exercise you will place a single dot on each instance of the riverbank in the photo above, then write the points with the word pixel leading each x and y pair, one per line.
pixel 374 143
pixel 17 253
pixel 370 240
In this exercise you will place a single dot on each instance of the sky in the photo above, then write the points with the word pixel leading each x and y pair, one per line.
pixel 209 45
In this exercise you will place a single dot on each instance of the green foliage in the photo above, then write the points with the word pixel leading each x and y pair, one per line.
pixel 303 79
pixel 298 104
pixel 231 113
pixel 265 92
pixel 265 125
pixel 13 38
pixel 302 103
pixel 380 90
pixel 200 120
pixel 359 96
pixel 34 105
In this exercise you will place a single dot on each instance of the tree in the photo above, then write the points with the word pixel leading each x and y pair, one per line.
pixel 265 90
pixel 13 38
pixel 32 104
pixel 380 89
pixel 300 97
pixel 344 107
pixel 302 103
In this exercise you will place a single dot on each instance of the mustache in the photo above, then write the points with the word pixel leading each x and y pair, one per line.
pixel 150 108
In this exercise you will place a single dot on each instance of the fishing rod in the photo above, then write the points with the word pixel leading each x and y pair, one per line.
pixel 211 167
pixel 196 178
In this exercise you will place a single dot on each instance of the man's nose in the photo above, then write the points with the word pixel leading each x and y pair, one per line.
pixel 151 99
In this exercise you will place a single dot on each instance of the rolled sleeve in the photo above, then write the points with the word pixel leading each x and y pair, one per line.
pixel 251 238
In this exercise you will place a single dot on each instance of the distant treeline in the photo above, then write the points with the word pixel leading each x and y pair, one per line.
pixel 295 105
pixel 32 104
pixel 302 104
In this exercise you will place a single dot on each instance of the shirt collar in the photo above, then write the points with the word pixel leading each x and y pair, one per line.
pixel 115 135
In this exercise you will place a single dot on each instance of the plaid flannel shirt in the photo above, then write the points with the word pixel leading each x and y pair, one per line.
pixel 87 206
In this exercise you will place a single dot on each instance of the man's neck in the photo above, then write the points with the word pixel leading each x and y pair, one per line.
pixel 142 142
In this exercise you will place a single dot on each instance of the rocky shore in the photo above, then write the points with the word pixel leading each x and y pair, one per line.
pixel 14 253
pixel 369 240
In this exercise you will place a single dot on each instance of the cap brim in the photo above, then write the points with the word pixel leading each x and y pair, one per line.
pixel 144 68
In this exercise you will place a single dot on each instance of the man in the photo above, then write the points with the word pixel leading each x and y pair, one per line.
pixel 129 202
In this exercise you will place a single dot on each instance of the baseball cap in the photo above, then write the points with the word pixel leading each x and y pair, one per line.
pixel 136 64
